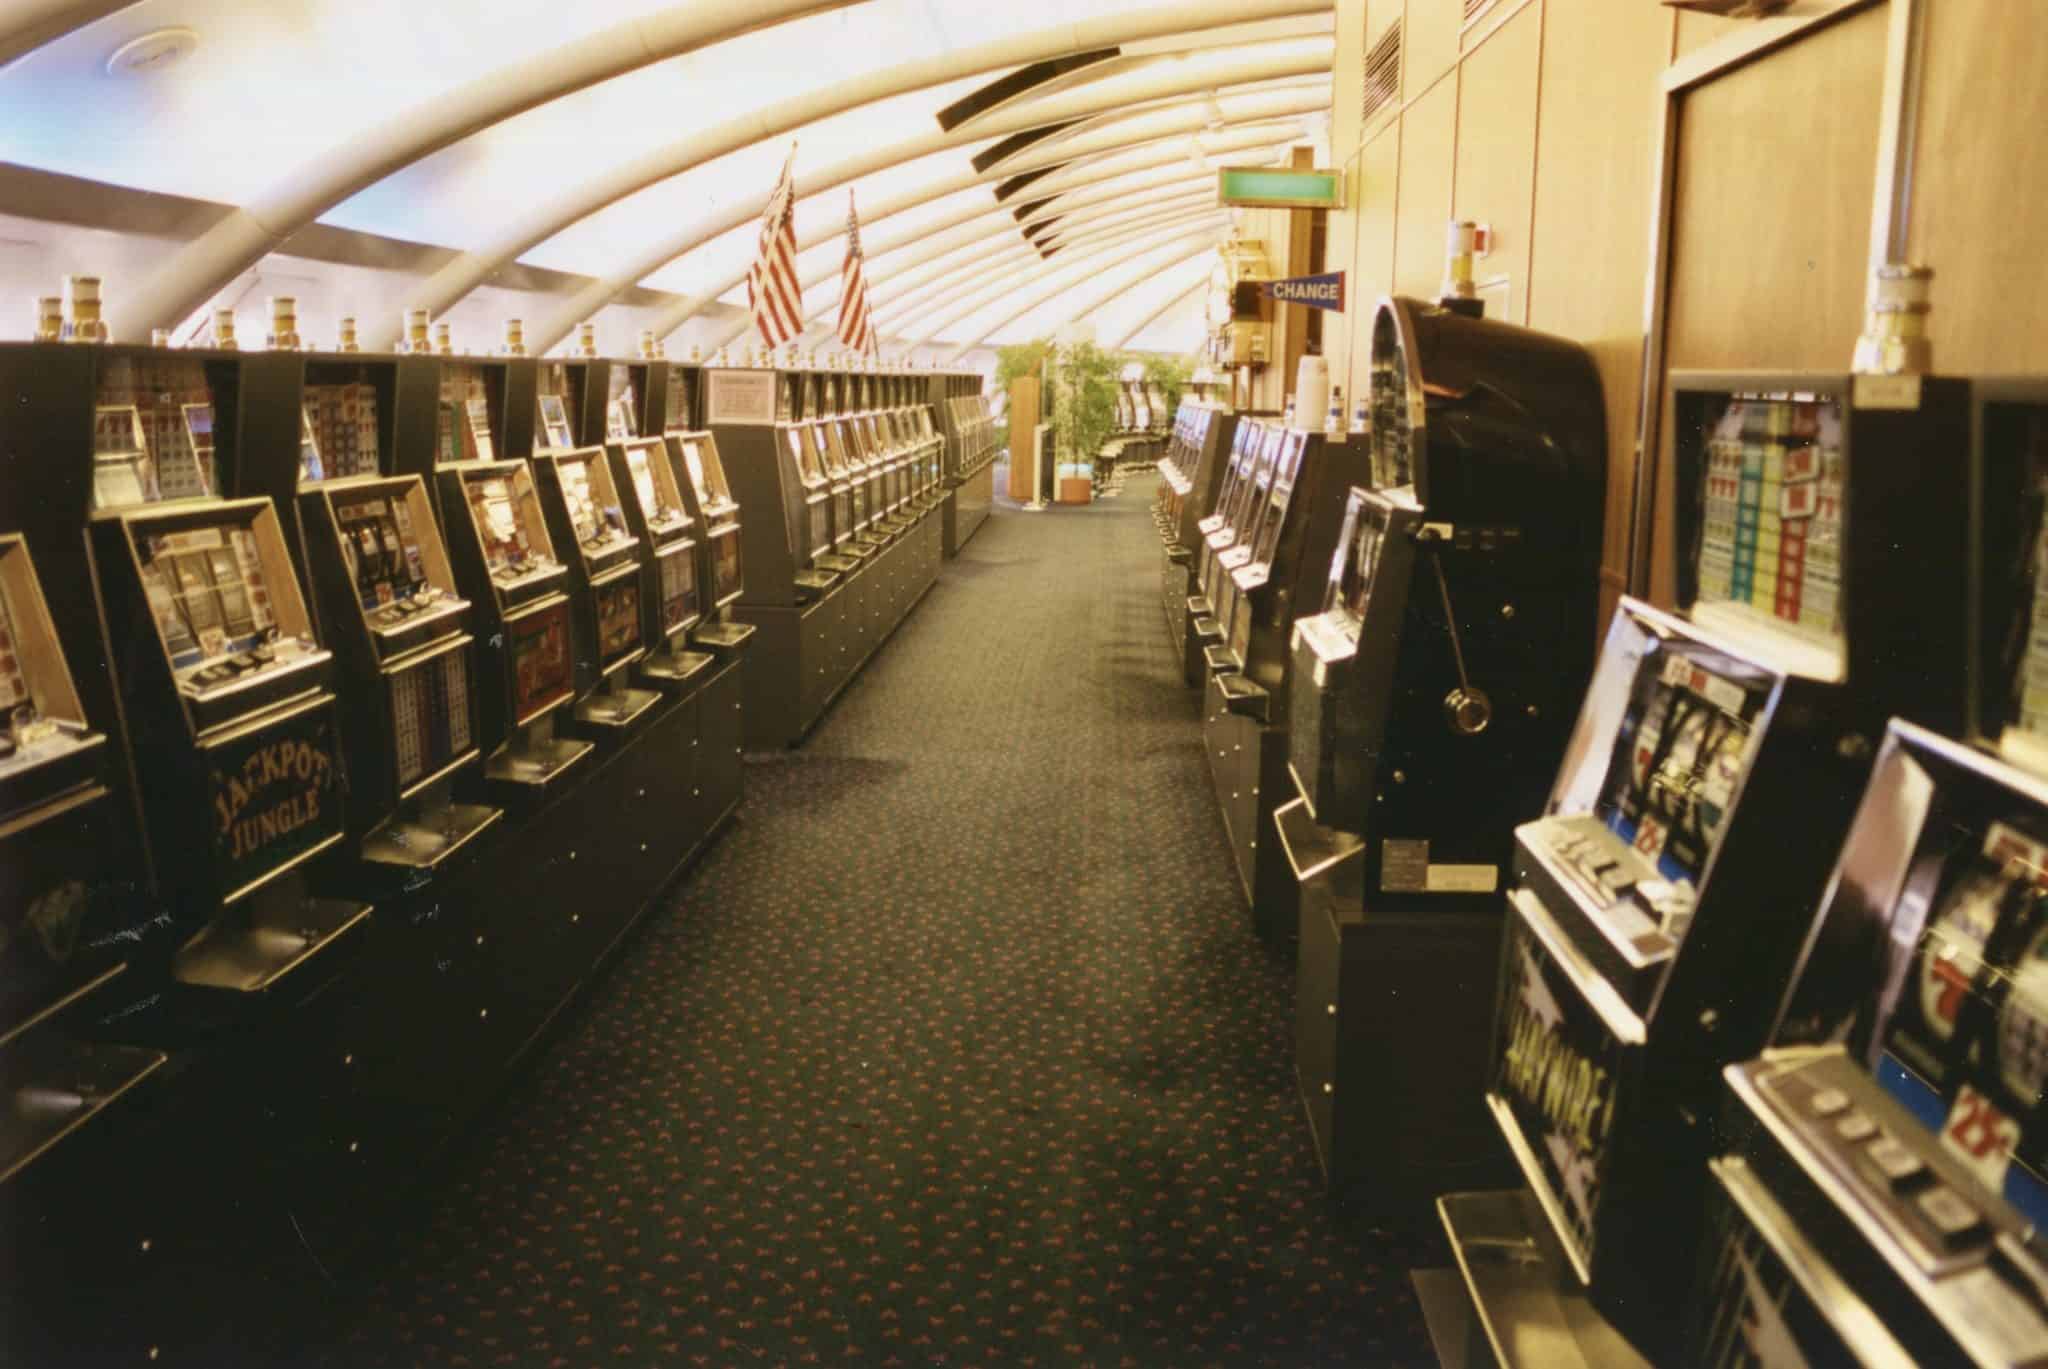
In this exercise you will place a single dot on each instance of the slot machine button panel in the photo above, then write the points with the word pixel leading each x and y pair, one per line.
pixel 1895 1163
pixel 1827 1102
pixel 1855 1129
pixel 1952 1218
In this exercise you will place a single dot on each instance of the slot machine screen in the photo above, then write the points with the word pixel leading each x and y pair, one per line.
pixel 503 511
pixel 1941 898
pixel 1679 755
pixel 725 565
pixel 582 503
pixel 382 550
pixel 1764 475
pixel 2012 694
pixel 678 589
pixel 1358 559
pixel 206 589
pixel 538 645
pixel 794 437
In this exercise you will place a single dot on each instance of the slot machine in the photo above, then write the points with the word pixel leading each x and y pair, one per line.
pixel 1658 904
pixel 506 565
pixel 585 513
pixel 1431 690
pixel 1229 543
pixel 671 580
pixel 1878 1191
pixel 385 588
pixel 1217 442
pixel 72 914
pixel 851 515
pixel 1247 700
pixel 694 457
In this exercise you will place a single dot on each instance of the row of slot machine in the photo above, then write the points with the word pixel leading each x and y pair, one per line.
pixel 1723 934
pixel 968 425
pixel 843 476
pixel 286 638
pixel 1140 407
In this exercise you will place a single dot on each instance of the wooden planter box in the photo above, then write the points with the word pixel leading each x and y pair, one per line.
pixel 1076 491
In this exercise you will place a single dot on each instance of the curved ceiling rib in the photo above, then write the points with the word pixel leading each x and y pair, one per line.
pixel 473 268
pixel 1008 275
pixel 26 25
pixel 604 291
pixel 959 278
pixel 1201 242
pixel 200 267
pixel 1161 312
pixel 1091 259
pixel 933 242
pixel 927 241
pixel 1090 187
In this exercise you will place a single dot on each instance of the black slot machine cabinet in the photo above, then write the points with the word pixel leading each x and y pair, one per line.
pixel 1247 699
pixel 1878 1197
pixel 379 578
pixel 672 588
pixel 65 926
pixel 721 568
pixel 506 565
pixel 1878 1192
pixel 1215 440
pixel 1657 907
pixel 1430 699
pixel 586 517
pixel 234 729
pixel 1230 540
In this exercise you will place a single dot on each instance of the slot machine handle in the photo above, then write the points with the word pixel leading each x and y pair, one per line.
pixel 1468 710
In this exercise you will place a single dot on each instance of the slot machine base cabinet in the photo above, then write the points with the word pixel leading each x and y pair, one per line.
pixel 1513 1300
pixel 265 942
pixel 1248 767
pixel 724 637
pixel 674 666
pixel 1390 1049
pixel 615 708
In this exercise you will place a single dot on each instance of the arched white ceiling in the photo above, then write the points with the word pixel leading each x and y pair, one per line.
pixel 544 133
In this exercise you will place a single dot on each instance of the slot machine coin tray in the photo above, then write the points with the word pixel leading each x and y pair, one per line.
pixel 1207 629
pixel 1179 555
pixel 1242 697
pixel 252 950
pixel 530 766
pixel 1522 1294
pixel 421 838
pixel 1221 660
pixel 1311 848
pixel 675 666
pixel 615 709
pixel 725 636
pixel 54 1085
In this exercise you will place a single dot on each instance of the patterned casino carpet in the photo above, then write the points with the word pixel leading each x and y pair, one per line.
pixel 958 1049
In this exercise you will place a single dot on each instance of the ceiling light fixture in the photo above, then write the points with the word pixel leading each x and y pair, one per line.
pixel 151 52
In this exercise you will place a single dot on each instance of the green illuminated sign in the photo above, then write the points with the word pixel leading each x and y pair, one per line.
pixel 1272 188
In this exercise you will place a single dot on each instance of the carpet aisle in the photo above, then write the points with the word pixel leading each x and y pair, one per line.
pixel 957 1049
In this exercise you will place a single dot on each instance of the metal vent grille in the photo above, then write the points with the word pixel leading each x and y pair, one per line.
pixel 1475 8
pixel 1383 70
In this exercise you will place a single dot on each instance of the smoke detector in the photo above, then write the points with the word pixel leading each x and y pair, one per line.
pixel 151 52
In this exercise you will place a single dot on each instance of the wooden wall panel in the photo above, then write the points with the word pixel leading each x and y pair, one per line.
pixel 1496 161
pixel 1373 264
pixel 1429 130
pixel 1770 224
pixel 1979 211
pixel 1346 77
pixel 1430 46
pixel 1595 156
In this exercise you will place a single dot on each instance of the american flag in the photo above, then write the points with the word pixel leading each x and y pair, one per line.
pixel 856 329
pixel 772 289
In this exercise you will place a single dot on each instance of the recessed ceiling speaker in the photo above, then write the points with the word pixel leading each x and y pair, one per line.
pixel 151 52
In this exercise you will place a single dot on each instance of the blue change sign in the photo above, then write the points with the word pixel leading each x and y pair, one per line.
pixel 1317 292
